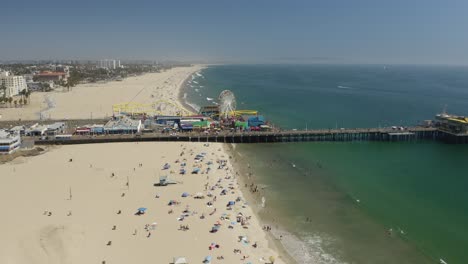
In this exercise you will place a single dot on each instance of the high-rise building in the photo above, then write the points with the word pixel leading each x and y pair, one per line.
pixel 109 64
pixel 13 84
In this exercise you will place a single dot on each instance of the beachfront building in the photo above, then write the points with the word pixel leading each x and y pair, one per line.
pixel 9 143
pixel 13 84
pixel 18 130
pixel 56 128
pixel 49 76
pixel 123 125
pixel 90 130
pixel 36 130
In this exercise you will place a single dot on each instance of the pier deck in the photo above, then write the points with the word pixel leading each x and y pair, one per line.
pixel 372 134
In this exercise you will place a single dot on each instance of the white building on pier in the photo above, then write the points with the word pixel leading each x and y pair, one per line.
pixel 9 143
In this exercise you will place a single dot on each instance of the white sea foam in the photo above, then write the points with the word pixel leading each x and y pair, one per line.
pixel 195 82
pixel 344 87
pixel 194 106
pixel 196 90
pixel 309 250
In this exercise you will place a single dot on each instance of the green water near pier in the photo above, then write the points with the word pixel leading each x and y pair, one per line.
pixel 355 192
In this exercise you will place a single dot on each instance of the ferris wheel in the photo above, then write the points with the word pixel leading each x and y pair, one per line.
pixel 227 103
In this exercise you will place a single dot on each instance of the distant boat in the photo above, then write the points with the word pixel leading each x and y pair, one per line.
pixel 293 165
pixel 209 99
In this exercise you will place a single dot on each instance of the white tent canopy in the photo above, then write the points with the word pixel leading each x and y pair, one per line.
pixel 180 260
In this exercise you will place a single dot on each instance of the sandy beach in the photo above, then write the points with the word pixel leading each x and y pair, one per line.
pixel 77 204
pixel 95 100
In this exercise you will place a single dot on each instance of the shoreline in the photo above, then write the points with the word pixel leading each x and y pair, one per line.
pixel 241 175
pixel 183 91
pixel 255 202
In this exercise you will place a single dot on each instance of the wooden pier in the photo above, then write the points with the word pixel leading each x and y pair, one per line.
pixel 332 135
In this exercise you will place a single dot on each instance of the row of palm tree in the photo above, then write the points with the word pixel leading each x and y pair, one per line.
pixel 10 101
pixel 22 101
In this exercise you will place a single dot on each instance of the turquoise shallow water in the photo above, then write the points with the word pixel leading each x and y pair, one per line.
pixel 417 189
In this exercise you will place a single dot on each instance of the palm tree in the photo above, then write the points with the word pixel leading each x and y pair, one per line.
pixel 25 101
pixel 15 103
pixel 10 99
pixel 3 88
pixel 21 102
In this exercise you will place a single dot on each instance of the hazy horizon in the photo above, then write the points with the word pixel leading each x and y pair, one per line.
pixel 302 32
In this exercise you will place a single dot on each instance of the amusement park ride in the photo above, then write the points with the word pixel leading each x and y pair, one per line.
pixel 227 107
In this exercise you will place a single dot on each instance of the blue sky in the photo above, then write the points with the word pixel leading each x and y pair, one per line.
pixel 334 31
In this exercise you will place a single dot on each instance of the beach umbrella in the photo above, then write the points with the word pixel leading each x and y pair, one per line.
pixel 185 194
pixel 142 209
pixel 207 259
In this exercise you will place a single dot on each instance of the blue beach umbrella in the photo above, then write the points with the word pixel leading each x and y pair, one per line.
pixel 142 209
pixel 185 194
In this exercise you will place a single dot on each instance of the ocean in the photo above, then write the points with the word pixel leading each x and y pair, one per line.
pixel 354 202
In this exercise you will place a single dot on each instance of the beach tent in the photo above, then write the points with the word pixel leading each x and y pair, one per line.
pixel 164 181
pixel 207 260
pixel 185 194
pixel 196 170
pixel 199 195
pixel 180 260
pixel 231 203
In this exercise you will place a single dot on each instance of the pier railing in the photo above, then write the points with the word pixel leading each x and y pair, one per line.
pixel 363 134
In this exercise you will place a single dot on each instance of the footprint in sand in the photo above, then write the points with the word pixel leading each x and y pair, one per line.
pixel 52 244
